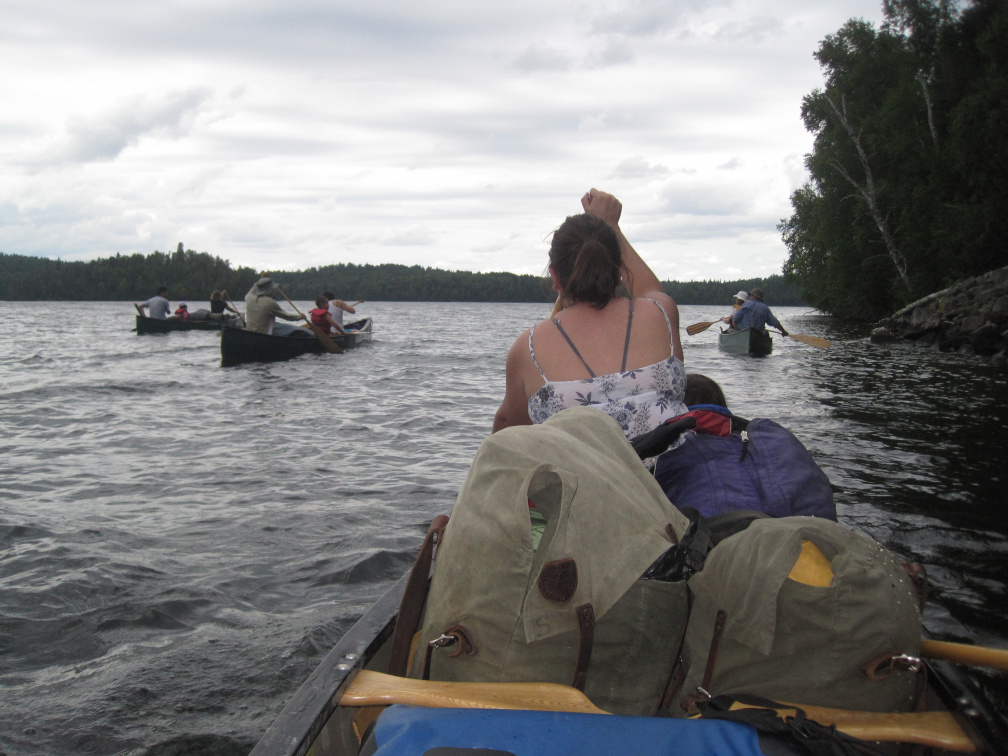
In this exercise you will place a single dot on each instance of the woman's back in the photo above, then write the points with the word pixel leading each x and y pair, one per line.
pixel 600 337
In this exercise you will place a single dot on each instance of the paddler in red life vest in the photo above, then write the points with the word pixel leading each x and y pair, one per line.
pixel 321 318
pixel 182 313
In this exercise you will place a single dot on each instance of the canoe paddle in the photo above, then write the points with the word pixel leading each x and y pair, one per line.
pixel 962 653
pixel 330 345
pixel 237 314
pixel 936 728
pixel 696 328
pixel 814 341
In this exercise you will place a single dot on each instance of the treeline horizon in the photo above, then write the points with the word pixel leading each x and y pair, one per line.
pixel 192 276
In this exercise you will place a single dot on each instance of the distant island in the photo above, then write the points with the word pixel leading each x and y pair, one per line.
pixel 193 275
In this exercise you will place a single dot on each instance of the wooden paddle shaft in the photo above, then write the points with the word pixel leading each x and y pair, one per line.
pixel 369 688
pixel 376 688
pixel 979 656
pixel 330 345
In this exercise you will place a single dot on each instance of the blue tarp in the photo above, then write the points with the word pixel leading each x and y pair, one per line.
pixel 413 731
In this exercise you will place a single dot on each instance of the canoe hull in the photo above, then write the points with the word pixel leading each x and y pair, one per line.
pixel 748 341
pixel 240 346
pixel 145 324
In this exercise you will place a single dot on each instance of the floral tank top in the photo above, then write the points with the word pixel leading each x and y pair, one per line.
pixel 639 400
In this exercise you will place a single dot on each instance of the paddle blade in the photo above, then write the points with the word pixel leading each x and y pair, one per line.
pixel 696 328
pixel 814 341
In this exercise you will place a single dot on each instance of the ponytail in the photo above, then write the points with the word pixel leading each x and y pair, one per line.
pixel 586 256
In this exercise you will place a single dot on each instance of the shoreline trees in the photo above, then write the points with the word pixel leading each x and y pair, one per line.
pixel 905 195
pixel 191 276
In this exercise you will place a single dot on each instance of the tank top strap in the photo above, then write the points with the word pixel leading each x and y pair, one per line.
pixel 668 323
pixel 571 343
pixel 534 360
pixel 626 344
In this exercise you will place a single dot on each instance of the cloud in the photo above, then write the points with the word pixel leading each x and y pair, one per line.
pixel 104 136
pixel 309 132
pixel 542 58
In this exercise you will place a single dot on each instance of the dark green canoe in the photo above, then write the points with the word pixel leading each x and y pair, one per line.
pixel 145 324
pixel 240 346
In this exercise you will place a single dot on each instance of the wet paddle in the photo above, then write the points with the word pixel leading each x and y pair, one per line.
pixel 814 341
pixel 937 728
pixel 330 345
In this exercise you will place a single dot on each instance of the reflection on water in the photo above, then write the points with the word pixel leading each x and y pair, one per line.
pixel 179 543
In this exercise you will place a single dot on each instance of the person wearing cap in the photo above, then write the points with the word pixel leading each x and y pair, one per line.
pixel 182 313
pixel 158 304
pixel 755 314
pixel 261 308
pixel 740 299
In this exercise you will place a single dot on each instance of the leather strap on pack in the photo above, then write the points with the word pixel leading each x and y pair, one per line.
pixel 454 634
pixel 690 701
pixel 412 603
pixel 586 638
pixel 677 675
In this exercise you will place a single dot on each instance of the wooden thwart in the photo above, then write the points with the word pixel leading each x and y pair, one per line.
pixel 937 728
pixel 371 688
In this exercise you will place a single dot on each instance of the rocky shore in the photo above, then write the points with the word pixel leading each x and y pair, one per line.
pixel 970 317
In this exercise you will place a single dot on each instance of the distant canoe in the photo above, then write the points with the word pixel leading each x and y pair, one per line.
pixel 145 324
pixel 747 341
pixel 239 346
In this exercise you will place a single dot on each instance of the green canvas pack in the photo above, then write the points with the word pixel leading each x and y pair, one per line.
pixel 851 641
pixel 573 607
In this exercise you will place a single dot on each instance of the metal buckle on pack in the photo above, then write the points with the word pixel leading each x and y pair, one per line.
pixel 906 663
pixel 443 640
pixel 883 666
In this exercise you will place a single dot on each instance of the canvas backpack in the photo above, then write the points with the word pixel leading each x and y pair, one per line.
pixel 803 610
pixel 573 609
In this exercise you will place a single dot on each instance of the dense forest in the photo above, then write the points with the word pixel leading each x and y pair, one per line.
pixel 191 276
pixel 907 193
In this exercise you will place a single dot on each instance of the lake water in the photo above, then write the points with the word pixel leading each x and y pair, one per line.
pixel 181 543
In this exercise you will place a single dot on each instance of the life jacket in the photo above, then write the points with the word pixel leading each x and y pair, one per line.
pixel 725 463
pixel 318 318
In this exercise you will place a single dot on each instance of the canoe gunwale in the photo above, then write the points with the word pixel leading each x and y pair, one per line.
pixel 303 718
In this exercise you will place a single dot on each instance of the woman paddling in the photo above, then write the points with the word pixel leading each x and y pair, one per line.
pixel 616 354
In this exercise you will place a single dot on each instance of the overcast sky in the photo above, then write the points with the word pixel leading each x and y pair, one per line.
pixel 286 134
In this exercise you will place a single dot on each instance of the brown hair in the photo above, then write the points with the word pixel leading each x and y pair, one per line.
pixel 586 257
pixel 703 390
pixel 321 301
